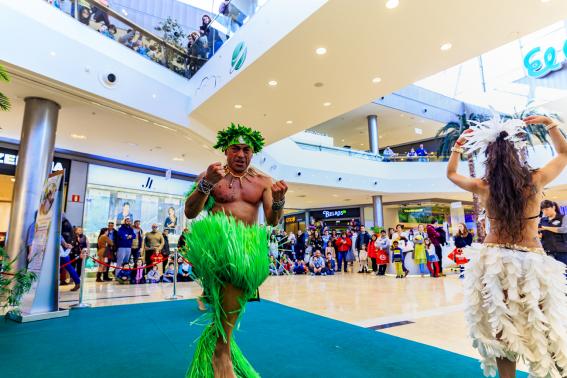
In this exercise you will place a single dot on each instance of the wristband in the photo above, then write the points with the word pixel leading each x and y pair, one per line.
pixel 457 149
pixel 278 205
pixel 552 126
pixel 205 187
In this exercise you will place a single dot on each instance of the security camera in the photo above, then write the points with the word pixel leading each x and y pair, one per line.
pixel 375 182
pixel 109 79
pixel 299 173
pixel 425 110
pixel 340 179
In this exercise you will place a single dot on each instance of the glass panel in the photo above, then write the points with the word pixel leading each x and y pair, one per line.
pixel 180 35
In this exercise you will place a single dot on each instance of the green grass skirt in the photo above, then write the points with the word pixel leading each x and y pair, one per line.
pixel 223 250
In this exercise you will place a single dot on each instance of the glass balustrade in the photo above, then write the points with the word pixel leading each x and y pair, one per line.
pixel 371 156
pixel 181 46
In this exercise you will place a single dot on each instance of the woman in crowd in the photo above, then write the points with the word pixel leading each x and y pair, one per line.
pixel 317 241
pixel 104 251
pixel 343 246
pixel 373 252
pixel 419 252
pixel 462 239
pixel 515 295
pixel 553 229
pixel 432 259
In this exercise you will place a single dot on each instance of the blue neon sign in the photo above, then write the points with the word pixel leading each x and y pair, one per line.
pixel 538 67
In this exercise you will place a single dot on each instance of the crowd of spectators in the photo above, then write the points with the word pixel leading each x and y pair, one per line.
pixel 202 43
pixel 320 250
pixel 420 154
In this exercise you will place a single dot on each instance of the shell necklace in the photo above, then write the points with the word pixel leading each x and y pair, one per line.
pixel 235 175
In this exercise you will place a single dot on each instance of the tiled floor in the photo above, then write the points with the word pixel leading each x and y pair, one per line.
pixel 427 310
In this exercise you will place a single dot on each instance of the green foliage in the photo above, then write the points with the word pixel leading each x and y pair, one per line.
pixel 451 132
pixel 377 230
pixel 536 132
pixel 13 286
pixel 239 135
pixel 4 101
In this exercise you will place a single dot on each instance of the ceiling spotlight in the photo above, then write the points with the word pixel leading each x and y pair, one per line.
pixel 237 106
pixel 12 179
pixel 77 136
pixel 321 51
pixel 289 122
pixel 124 12
pixel 418 131
pixel 154 96
pixel 391 4
pixel 272 83
pixel 376 80
pixel 545 1
pixel 326 104
pixel 178 159
pixel 52 53
pixel 446 46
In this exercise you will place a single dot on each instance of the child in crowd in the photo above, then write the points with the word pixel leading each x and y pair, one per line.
pixel 397 258
pixel 383 245
pixel 363 259
pixel 274 246
pixel 274 266
pixel 331 262
pixel 463 239
pixel 137 276
pixel 157 260
pixel 285 263
pixel 169 273
pixel 124 275
pixel 432 259
pixel 299 267
pixel 184 271
pixel 153 275
pixel 419 253
pixel 330 266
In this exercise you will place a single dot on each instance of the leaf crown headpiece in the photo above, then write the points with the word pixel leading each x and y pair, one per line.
pixel 239 134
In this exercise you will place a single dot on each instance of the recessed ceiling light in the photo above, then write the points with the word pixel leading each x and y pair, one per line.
pixel 418 131
pixel 545 1
pixel 326 104
pixel 376 80
pixel 335 195
pixel 272 83
pixel 391 4
pixel 124 12
pixel 380 137
pixel 362 144
pixel 77 136
pixel 289 122
pixel 132 144
pixel 321 51
pixel 402 115
pixel 237 106
pixel 12 179
pixel 154 95
pixel 446 46
pixel 178 159
pixel 342 140
pixel 52 53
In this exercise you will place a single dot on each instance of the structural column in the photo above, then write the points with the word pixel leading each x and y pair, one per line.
pixel 35 156
pixel 373 133
pixel 378 211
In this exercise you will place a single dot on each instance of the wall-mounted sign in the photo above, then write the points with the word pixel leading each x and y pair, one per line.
pixel 336 213
pixel 75 198
pixel 540 64
pixel 290 220
pixel 238 56
pixel 9 161
pixel 297 218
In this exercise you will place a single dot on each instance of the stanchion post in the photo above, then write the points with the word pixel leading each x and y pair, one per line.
pixel 82 304
pixel 174 295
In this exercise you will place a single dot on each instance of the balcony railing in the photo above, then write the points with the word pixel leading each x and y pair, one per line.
pixel 369 155
pixel 178 50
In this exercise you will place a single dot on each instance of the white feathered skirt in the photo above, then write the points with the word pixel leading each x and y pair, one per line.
pixel 516 308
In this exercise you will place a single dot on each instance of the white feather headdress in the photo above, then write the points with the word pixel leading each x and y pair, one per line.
pixel 484 133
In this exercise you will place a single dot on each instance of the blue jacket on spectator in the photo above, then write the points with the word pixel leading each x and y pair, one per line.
pixel 123 240
pixel 124 275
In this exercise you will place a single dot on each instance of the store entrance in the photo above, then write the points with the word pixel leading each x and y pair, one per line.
pixel 6 191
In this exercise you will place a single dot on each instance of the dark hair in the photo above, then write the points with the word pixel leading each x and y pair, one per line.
pixel 465 233
pixel 102 231
pixel 546 204
pixel 511 187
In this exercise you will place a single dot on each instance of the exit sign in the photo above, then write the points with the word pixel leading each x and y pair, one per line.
pixel 75 198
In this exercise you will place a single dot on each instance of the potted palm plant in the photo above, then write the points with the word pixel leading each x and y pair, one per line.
pixel 4 100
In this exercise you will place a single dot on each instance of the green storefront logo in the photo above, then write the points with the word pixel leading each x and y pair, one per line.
pixel 238 56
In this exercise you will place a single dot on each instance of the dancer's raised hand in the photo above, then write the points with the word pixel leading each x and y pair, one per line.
pixel 215 173
pixel 279 189
pixel 538 120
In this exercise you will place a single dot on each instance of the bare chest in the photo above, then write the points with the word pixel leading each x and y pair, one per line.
pixel 229 190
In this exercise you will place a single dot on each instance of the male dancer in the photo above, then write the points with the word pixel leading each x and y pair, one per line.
pixel 228 250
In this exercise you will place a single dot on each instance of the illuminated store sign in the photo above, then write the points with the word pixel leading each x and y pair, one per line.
pixel 9 161
pixel 336 213
pixel 539 64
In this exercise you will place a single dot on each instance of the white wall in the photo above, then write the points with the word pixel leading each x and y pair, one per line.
pixel 5 208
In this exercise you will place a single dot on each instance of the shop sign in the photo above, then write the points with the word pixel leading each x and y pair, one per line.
pixel 9 161
pixel 75 198
pixel 336 213
pixel 538 65
pixel 290 220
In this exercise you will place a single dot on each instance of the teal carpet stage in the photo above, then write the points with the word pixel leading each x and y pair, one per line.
pixel 156 340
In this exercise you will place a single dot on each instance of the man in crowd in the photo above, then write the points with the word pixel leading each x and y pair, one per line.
pixel 137 242
pixel 317 263
pixel 165 249
pixel 422 153
pixel 125 237
pixel 152 241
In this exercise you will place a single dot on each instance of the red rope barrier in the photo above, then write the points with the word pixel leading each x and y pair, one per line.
pixel 69 262
pixel 121 268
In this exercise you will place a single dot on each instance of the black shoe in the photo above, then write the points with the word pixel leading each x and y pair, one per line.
pixel 63 283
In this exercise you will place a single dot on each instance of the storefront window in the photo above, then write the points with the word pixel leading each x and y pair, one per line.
pixel 114 194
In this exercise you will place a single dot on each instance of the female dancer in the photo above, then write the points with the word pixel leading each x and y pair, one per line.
pixel 515 295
